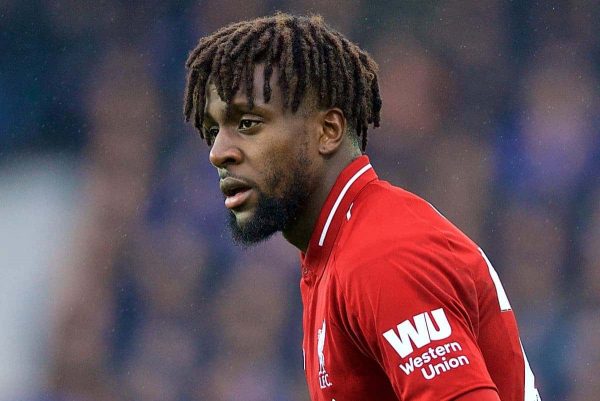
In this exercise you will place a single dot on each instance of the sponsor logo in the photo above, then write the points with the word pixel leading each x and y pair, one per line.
pixel 421 333
pixel 323 376
pixel 436 361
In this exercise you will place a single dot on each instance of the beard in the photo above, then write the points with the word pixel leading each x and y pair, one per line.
pixel 275 213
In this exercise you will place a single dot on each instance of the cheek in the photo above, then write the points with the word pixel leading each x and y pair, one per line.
pixel 280 171
pixel 284 149
pixel 276 176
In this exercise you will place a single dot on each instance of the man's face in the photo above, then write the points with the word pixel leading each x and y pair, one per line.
pixel 265 158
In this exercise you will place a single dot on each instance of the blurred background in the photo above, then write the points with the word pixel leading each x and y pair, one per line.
pixel 118 279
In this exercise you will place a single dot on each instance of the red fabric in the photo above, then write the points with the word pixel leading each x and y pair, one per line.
pixel 479 395
pixel 399 304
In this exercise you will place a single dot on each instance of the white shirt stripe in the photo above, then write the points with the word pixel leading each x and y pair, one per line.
pixel 531 393
pixel 502 298
pixel 339 200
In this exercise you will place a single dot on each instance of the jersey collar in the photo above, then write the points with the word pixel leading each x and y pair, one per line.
pixel 335 209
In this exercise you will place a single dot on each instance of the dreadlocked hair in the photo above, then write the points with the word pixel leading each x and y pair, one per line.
pixel 308 55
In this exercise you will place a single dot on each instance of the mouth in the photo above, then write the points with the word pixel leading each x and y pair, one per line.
pixel 238 199
pixel 236 192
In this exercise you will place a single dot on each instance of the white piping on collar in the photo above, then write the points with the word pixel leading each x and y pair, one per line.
pixel 339 200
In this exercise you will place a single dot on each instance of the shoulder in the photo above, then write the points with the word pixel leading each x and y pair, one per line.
pixel 394 236
pixel 386 222
pixel 382 211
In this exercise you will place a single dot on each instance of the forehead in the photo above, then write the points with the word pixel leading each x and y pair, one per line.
pixel 258 81
pixel 276 100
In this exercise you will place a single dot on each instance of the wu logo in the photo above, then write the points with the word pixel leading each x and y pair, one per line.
pixel 323 376
pixel 420 334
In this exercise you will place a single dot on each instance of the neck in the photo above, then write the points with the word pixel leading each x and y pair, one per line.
pixel 301 230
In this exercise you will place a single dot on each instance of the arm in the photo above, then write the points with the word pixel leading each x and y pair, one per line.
pixel 413 318
pixel 479 395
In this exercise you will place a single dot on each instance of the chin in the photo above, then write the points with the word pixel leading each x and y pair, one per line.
pixel 246 229
pixel 243 217
pixel 258 221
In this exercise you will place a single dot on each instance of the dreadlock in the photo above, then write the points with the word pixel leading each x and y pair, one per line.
pixel 308 55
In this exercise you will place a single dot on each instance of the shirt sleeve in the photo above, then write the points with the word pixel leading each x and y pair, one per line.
pixel 414 311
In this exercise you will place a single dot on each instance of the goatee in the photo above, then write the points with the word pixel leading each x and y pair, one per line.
pixel 272 214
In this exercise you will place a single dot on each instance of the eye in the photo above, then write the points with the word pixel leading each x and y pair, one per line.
pixel 246 124
pixel 211 132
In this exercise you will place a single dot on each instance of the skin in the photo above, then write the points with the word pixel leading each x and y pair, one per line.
pixel 266 142
pixel 266 145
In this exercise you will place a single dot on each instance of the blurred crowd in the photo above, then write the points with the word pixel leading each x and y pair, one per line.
pixel 119 280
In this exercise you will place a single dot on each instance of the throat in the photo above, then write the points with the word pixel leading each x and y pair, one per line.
pixel 300 230
pixel 298 237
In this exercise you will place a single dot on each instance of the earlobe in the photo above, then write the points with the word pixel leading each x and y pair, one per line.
pixel 333 130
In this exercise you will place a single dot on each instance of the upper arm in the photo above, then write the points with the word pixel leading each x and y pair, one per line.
pixel 409 311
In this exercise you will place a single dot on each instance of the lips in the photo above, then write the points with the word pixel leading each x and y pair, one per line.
pixel 236 192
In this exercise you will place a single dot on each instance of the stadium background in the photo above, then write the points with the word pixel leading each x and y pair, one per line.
pixel 118 280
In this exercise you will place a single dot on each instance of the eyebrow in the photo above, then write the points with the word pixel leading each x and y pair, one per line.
pixel 239 106
pixel 243 106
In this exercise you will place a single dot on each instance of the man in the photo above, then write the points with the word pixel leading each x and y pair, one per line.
pixel 398 303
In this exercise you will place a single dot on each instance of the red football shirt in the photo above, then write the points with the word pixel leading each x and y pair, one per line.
pixel 400 305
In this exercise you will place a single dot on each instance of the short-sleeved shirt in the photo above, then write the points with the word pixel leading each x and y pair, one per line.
pixel 400 305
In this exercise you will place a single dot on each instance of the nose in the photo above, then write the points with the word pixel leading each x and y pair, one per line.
pixel 224 151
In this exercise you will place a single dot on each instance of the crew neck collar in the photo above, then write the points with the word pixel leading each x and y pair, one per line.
pixel 336 208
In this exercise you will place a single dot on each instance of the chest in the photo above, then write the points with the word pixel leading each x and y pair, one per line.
pixel 336 367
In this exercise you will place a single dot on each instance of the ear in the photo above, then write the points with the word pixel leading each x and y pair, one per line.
pixel 333 130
